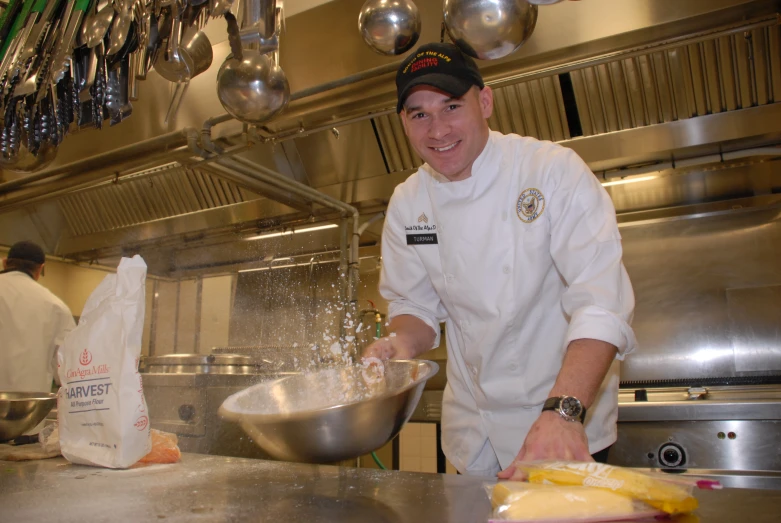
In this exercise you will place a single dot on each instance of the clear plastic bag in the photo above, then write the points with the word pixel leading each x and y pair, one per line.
pixel 165 448
pixel 529 502
pixel 670 494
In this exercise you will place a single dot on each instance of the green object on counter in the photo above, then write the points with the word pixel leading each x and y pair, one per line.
pixel 377 459
pixel 378 325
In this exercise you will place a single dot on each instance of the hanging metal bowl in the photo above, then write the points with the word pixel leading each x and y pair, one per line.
pixel 489 29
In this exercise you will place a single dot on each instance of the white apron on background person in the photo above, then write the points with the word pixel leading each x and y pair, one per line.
pixel 33 322
pixel 527 258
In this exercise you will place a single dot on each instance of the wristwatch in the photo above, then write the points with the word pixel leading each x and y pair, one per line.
pixel 568 407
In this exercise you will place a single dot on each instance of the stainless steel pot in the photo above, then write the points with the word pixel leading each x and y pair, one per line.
pixel 202 364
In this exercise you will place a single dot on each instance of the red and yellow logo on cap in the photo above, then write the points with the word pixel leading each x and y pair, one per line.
pixel 425 59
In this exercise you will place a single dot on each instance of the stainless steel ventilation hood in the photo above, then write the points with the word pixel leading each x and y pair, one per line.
pixel 662 86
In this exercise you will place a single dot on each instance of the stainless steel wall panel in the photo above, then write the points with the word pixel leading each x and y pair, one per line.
pixel 774 45
pixel 541 115
pixel 620 86
pixel 699 80
pixel 728 73
pixel 650 89
pixel 682 271
pixel 554 104
pixel 715 91
pixel 583 102
pixel 745 77
pixel 401 142
pixel 681 83
pixel 501 119
pixel 661 71
pixel 755 314
pixel 760 64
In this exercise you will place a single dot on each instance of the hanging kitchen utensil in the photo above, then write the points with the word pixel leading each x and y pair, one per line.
pixel 65 47
pixel 220 7
pixel 125 79
pixel 41 67
pixel 389 28
pixel 12 62
pixel 251 86
pixel 119 28
pixel 11 44
pixel 176 100
pixel 7 18
pixel 173 65
pixel 90 69
pixel 489 29
pixel 149 55
pixel 98 26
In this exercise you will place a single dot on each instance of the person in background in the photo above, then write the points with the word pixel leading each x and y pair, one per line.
pixel 33 322
pixel 514 244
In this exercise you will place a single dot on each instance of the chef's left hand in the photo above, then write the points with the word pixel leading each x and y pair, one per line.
pixel 551 438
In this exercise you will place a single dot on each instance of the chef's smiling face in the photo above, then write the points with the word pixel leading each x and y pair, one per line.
pixel 448 133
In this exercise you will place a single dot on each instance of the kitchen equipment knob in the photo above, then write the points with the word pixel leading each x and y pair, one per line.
pixel 186 412
pixel 672 455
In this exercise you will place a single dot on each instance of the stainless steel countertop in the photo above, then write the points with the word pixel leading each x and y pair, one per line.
pixel 216 488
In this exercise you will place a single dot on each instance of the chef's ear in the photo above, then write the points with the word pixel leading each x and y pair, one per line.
pixel 486 99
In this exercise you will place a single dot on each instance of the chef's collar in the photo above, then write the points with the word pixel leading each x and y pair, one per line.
pixel 17 270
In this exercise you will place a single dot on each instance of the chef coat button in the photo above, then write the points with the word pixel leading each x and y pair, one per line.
pixel 506 269
pixel 513 366
pixel 474 370
pixel 449 278
pixel 504 216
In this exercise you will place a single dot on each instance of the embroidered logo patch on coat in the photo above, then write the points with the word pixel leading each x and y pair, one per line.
pixel 531 204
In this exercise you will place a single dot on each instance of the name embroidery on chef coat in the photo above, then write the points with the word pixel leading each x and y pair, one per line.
pixel 531 204
pixel 426 234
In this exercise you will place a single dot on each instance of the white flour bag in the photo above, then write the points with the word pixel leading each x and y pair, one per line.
pixel 101 409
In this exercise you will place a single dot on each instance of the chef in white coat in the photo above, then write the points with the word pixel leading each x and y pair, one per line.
pixel 33 322
pixel 513 243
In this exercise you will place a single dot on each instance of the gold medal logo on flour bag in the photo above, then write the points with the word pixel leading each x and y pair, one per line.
pixel 531 204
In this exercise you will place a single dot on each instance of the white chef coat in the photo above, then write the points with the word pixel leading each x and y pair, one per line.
pixel 33 323
pixel 527 259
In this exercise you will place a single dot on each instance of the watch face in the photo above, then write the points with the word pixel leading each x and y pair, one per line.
pixel 571 407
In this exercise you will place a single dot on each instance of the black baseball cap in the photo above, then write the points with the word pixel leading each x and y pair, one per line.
pixel 440 65
pixel 27 251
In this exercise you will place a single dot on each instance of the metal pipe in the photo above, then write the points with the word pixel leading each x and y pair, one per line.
pixel 345 81
pixel 135 151
pixel 370 221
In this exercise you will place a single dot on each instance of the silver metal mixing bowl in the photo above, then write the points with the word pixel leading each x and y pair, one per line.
pixel 489 29
pixel 22 411
pixel 389 27
pixel 329 415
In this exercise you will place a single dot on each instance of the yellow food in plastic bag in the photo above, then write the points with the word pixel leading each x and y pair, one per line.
pixel 529 502
pixel 659 493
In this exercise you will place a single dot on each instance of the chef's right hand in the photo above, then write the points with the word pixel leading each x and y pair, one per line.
pixel 387 348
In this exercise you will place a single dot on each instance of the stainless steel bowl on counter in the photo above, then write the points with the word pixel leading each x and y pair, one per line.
pixel 22 411
pixel 329 415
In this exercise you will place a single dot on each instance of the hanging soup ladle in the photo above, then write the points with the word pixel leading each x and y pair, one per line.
pixel 251 86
